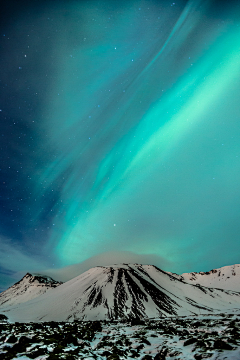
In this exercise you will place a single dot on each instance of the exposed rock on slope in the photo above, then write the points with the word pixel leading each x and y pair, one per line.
pixel 28 288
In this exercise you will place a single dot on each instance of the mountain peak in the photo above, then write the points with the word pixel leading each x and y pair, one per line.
pixel 29 287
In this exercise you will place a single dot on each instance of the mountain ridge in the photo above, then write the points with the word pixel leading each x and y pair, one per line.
pixel 225 277
pixel 123 291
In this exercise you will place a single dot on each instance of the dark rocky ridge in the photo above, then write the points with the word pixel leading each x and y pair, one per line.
pixel 39 279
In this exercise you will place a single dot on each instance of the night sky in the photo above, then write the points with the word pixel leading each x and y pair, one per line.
pixel 120 135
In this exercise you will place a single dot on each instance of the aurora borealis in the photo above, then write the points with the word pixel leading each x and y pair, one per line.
pixel 120 134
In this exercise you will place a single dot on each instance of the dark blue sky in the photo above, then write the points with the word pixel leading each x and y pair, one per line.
pixel 120 135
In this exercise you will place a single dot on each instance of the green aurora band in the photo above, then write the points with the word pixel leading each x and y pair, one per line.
pixel 143 119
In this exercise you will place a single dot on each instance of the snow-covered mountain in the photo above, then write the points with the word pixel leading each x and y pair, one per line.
pixel 28 288
pixel 123 291
pixel 227 278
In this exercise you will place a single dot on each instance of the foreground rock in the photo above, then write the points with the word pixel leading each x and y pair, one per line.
pixel 212 337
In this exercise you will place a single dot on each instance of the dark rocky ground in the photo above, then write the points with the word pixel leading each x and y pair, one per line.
pixel 199 337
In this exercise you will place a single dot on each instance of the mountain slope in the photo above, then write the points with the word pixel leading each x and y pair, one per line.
pixel 226 278
pixel 123 291
pixel 28 288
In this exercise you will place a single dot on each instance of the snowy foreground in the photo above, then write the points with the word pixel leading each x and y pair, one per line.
pixel 192 337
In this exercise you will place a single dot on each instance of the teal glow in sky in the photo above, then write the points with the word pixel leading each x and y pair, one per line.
pixel 130 116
